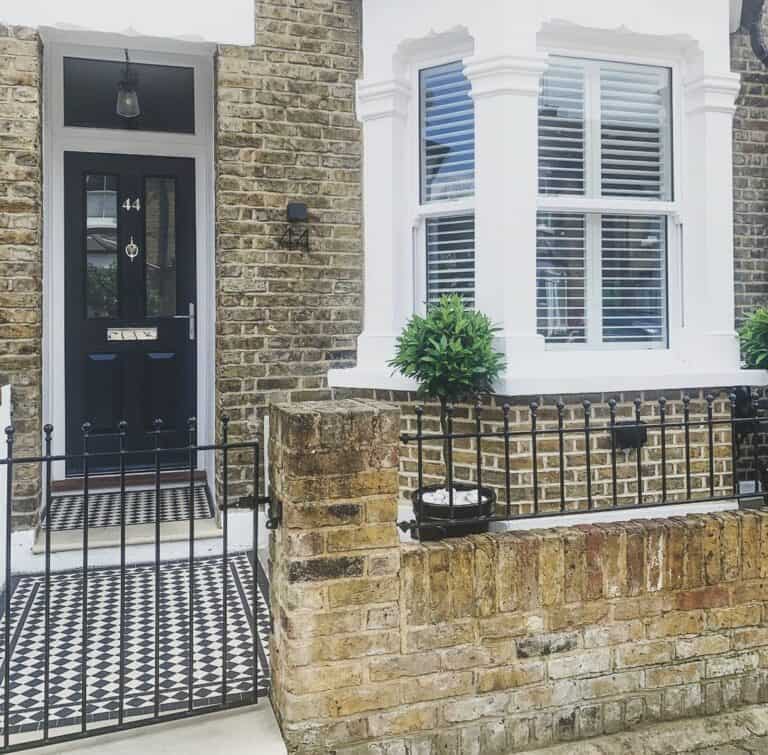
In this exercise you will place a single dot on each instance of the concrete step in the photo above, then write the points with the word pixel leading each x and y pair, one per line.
pixel 136 534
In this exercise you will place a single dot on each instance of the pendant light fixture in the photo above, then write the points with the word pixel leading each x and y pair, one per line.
pixel 127 96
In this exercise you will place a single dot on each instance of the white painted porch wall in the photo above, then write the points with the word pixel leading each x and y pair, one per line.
pixel 504 46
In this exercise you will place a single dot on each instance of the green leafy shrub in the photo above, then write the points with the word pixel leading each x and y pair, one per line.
pixel 754 339
pixel 450 354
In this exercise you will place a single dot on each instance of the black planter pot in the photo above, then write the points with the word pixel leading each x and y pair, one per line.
pixel 437 511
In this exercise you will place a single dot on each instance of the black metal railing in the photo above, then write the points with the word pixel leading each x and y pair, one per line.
pixel 185 701
pixel 510 463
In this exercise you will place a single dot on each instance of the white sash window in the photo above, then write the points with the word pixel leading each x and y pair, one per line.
pixel 605 187
pixel 447 159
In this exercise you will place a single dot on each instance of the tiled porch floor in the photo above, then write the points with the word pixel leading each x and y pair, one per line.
pixel 68 511
pixel 28 642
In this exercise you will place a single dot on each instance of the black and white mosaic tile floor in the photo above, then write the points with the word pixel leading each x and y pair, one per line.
pixel 68 511
pixel 102 647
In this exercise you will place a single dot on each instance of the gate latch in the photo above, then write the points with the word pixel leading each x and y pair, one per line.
pixel 274 509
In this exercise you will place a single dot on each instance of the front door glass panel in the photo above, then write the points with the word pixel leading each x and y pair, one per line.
pixel 101 290
pixel 160 243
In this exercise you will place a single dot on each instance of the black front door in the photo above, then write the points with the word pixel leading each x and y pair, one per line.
pixel 130 302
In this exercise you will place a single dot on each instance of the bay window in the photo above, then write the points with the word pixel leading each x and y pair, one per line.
pixel 605 187
pixel 572 181
pixel 447 160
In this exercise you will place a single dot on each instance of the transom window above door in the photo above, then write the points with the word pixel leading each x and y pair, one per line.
pixel 605 136
pixel 128 95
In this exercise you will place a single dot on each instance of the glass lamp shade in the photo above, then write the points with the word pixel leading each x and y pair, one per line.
pixel 127 101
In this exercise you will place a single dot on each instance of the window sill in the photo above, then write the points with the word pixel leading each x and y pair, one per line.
pixel 559 383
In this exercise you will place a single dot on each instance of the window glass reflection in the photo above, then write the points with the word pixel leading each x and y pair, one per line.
pixel 101 246
pixel 160 242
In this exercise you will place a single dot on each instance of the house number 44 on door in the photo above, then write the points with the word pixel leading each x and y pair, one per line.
pixel 135 205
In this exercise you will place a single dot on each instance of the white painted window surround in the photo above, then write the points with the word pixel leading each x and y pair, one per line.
pixel 505 48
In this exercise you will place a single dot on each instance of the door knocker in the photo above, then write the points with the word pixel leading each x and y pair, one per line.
pixel 131 250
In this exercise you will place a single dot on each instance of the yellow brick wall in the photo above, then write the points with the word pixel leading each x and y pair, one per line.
pixel 286 131
pixel 21 265
pixel 492 643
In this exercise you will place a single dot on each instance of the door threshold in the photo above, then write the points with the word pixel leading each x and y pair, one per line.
pixel 132 479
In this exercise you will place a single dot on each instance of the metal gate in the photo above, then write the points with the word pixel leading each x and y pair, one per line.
pixel 118 615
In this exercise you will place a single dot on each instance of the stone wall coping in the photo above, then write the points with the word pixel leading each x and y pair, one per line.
pixel 543 398
pixel 24 33
pixel 627 526
pixel 338 406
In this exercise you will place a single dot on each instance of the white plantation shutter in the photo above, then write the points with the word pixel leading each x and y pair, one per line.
pixel 561 277
pixel 634 279
pixel 605 133
pixel 447 134
pixel 634 131
pixel 561 129
pixel 451 257
pixel 447 144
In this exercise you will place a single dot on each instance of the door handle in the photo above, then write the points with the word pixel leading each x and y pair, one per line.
pixel 191 318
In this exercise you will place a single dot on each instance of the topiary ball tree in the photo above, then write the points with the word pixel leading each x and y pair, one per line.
pixel 450 354
pixel 754 339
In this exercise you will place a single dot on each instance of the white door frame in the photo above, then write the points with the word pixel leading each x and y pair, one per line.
pixel 58 139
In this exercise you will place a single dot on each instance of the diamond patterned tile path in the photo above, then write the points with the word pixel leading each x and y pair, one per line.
pixel 145 661
pixel 68 511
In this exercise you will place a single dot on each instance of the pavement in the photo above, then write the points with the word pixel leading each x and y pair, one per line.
pixel 245 731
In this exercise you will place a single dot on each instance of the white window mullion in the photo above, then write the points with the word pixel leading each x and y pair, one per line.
pixel 594 280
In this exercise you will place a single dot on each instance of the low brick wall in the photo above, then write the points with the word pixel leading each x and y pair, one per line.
pixel 492 643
